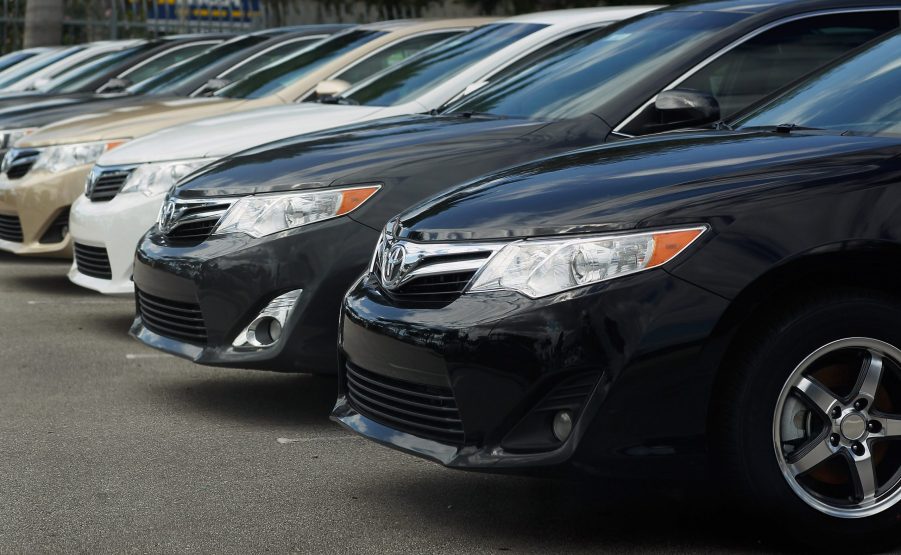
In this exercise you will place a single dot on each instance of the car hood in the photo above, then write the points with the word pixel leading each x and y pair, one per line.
pixel 39 114
pixel 20 101
pixel 223 135
pixel 128 121
pixel 624 185
pixel 339 156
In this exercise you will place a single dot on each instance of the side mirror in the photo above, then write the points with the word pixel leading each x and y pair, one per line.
pixel 115 85
pixel 685 108
pixel 331 87
pixel 212 86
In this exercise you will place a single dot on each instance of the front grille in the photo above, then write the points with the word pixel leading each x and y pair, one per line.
pixel 19 162
pixel 174 319
pixel 58 228
pixel 193 221
pixel 192 233
pixel 422 410
pixel 10 228
pixel 431 291
pixel 104 185
pixel 93 261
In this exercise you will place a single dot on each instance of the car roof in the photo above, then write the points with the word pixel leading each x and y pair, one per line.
pixel 301 30
pixel 413 25
pixel 760 6
pixel 556 17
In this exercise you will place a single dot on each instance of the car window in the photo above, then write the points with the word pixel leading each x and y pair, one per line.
pixel 393 55
pixel 17 73
pixel 576 39
pixel 14 58
pixel 427 69
pixel 280 74
pixel 268 56
pixel 188 69
pixel 857 96
pixel 76 80
pixel 576 79
pixel 773 59
pixel 164 61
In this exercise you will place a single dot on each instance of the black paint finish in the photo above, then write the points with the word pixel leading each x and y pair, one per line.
pixel 413 158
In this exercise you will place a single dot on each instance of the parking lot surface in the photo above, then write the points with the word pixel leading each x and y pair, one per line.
pixel 108 446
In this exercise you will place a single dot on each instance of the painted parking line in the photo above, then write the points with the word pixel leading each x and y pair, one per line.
pixel 286 440
pixel 138 356
pixel 81 301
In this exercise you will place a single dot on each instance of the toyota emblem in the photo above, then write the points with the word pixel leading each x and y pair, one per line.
pixel 392 266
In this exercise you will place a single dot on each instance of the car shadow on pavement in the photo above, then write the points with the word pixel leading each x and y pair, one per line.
pixel 114 326
pixel 258 398
pixel 10 257
pixel 53 285
pixel 622 515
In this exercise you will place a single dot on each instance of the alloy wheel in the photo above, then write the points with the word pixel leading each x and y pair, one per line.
pixel 837 428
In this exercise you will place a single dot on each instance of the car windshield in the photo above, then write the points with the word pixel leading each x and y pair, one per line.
pixel 277 76
pixel 576 79
pixel 423 72
pixel 27 69
pixel 189 68
pixel 75 81
pixel 14 58
pixel 856 96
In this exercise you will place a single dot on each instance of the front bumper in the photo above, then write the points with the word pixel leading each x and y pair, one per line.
pixel 232 278
pixel 40 203
pixel 116 226
pixel 506 359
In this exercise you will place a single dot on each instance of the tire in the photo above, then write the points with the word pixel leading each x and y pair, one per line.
pixel 765 429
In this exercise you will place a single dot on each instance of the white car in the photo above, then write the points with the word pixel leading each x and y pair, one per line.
pixel 128 184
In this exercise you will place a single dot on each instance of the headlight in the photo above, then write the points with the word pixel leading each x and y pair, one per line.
pixel 266 214
pixel 157 179
pixel 10 136
pixel 539 267
pixel 55 159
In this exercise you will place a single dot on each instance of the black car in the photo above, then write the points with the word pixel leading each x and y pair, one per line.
pixel 254 254
pixel 195 73
pixel 721 297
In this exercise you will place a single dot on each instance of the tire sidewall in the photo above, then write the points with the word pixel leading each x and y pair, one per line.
pixel 773 363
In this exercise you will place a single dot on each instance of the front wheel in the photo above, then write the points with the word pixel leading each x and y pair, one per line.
pixel 809 420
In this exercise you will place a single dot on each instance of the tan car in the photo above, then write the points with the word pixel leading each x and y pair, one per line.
pixel 46 171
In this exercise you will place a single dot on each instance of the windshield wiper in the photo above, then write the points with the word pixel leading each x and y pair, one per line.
pixel 721 125
pixel 338 100
pixel 789 127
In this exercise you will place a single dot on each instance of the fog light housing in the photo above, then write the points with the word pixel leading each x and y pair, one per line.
pixel 265 329
pixel 563 425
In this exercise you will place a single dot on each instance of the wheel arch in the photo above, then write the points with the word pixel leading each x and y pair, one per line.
pixel 872 264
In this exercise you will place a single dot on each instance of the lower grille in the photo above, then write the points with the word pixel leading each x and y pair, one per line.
pixel 422 410
pixel 11 228
pixel 93 261
pixel 177 320
pixel 434 291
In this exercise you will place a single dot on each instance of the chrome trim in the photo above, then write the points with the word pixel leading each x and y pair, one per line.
pixel 100 171
pixel 172 214
pixel 678 81
pixel 412 260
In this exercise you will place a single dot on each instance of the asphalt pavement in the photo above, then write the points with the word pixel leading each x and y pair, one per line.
pixel 109 446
